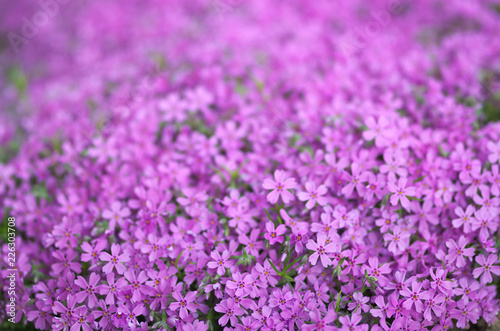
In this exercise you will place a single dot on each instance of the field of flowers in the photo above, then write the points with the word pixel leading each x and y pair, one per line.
pixel 249 164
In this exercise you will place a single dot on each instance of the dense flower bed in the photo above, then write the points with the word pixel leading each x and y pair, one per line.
pixel 297 165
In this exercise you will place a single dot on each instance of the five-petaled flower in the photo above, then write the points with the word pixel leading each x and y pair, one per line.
pixel 273 234
pixel 279 186
pixel 321 250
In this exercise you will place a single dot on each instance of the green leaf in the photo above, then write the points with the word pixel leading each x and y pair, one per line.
pixel 274 267
pixel 291 264
pixel 177 260
pixel 419 179
pixel 339 300
pixel 269 216
pixel 16 77
pixel 40 191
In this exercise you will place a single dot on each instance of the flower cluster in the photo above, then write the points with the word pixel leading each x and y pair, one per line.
pixel 268 174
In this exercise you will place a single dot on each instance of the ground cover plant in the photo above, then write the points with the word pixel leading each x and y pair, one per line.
pixel 250 165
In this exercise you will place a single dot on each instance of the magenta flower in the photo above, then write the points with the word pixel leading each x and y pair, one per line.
pixel 321 323
pixel 378 130
pixel 377 271
pixel 111 289
pixel 92 253
pixel 298 238
pixel 439 281
pixel 321 250
pixel 220 262
pixel 65 232
pixel 230 310
pixel 240 283
pixel 352 323
pixel 355 181
pixel 137 286
pixel 274 235
pixel 359 302
pixel 116 214
pixel 89 289
pixel 114 260
pixel 41 315
pixel 457 251
pixel 465 218
pixel 415 296
pixel 267 273
pixel 464 313
pixel 398 239
pixel 65 264
pixel 434 304
pixel 313 195
pixel 401 192
pixel 183 304
pixel 279 186
pixel 487 268
pixel 494 149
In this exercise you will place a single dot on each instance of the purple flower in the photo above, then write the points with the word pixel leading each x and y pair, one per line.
pixel 415 297
pixel 298 238
pixel 41 316
pixel 267 273
pixel 321 323
pixel 274 235
pixel 114 260
pixel 230 311
pixel 359 302
pixel 92 253
pixel 487 268
pixel 401 192
pixel 465 218
pixel 137 286
pixel 279 186
pixel 116 214
pixel 220 262
pixel 321 250
pixel 89 289
pixel 240 283
pixel 398 240
pixel 457 251
pixel 313 195
pixel 183 304
pixel 352 323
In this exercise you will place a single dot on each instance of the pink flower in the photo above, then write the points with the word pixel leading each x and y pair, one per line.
pixel 352 323
pixel 115 214
pixel 494 149
pixel 458 251
pixel 377 271
pixel 355 181
pixel 359 302
pixel 465 218
pixel 115 260
pixel 279 186
pixel 400 192
pixel 380 131
pixel 230 310
pixel 89 289
pixel 240 283
pixel 313 195
pixel 183 303
pixel 274 235
pixel 415 295
pixel 221 262
pixel 321 250
pixel 487 267
pixel 399 239
pixel 267 273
